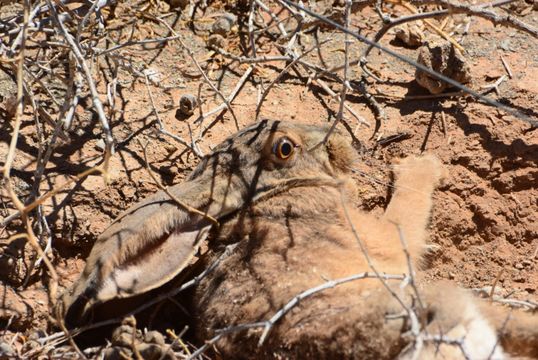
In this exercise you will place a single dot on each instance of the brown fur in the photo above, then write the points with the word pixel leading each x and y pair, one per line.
pixel 287 217
pixel 296 240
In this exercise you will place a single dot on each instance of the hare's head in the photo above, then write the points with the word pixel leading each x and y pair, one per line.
pixel 271 150
pixel 154 240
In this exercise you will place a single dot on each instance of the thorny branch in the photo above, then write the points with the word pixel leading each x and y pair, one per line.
pixel 345 83
pixel 30 235
pixel 421 67
pixel 267 325
pixel 91 84
pixel 415 17
pixel 483 12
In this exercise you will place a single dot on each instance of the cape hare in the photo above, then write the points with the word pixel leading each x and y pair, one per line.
pixel 286 201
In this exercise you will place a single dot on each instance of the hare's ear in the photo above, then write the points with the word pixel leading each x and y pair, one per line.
pixel 143 249
pixel 155 263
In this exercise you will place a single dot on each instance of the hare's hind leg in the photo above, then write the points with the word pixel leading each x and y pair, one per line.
pixel 462 328
pixel 516 328
pixel 410 206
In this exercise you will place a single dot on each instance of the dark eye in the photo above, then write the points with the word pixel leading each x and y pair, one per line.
pixel 283 148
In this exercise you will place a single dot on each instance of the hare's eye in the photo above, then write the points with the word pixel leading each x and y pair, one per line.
pixel 283 148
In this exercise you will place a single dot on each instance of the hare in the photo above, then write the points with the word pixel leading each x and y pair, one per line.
pixel 285 198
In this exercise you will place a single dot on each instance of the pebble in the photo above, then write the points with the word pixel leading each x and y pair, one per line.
pixel 182 4
pixel 11 105
pixel 128 192
pixel 117 353
pixel 505 45
pixel 520 279
pixel 411 35
pixel 224 23
pixel 100 144
pixel 8 87
pixel 187 104
pixel 216 40
pixel 154 352
pixel 154 337
pixel 439 54
pixel 6 350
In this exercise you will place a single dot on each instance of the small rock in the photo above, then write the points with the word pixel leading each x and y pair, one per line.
pixel 123 339
pixel 14 310
pixel 519 266
pixel 6 351
pixel 451 275
pixel 125 334
pixel 520 279
pixel 128 192
pixel 154 337
pixel 441 56
pixel 31 345
pixel 187 104
pixel 224 23
pixel 117 353
pixel 221 27
pixel 410 34
pixel 182 4
pixel 217 41
pixel 170 148
pixel 100 144
pixel 8 87
pixel 505 45
pixel 526 262
pixel 11 105
pixel 154 352
pixel 152 74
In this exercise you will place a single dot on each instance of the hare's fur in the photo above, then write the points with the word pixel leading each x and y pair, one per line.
pixel 289 219
pixel 296 240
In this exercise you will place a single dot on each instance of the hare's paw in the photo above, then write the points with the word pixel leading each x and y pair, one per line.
pixel 420 171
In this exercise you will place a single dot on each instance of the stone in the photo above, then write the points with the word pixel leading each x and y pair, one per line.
pixel 224 24
pixel 410 34
pixel 441 56
pixel 216 40
pixel 187 104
